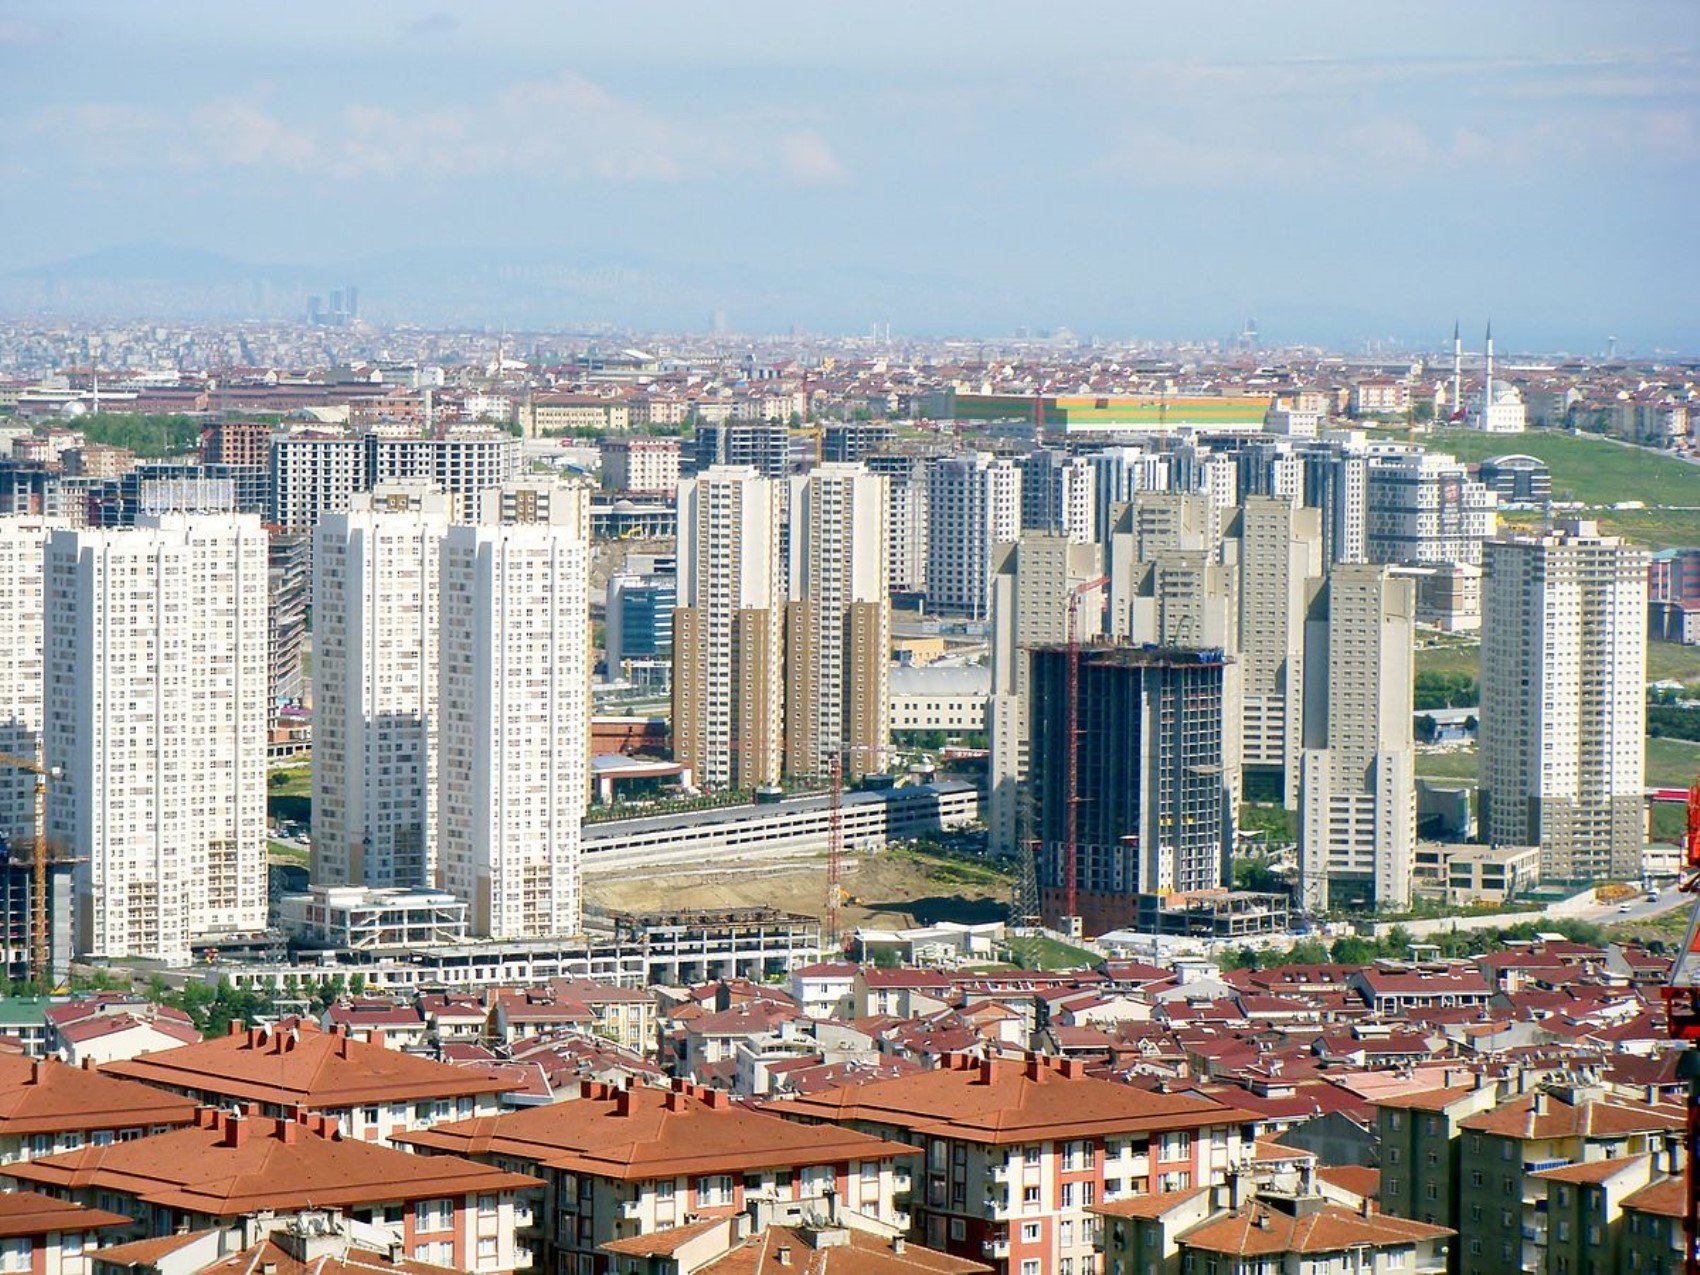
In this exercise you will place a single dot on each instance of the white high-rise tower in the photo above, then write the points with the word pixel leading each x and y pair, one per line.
pixel 375 612
pixel 23 557
pixel 514 699
pixel 157 711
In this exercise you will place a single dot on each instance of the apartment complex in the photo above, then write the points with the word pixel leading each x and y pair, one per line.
pixel 837 624
pixel 1563 709
pixel 316 474
pixel 728 695
pixel 375 597
pixel 1357 785
pixel 973 505
pixel 156 709
pixel 514 699
pixel 641 464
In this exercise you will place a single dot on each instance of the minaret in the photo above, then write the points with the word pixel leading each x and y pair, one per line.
pixel 1487 384
pixel 1457 403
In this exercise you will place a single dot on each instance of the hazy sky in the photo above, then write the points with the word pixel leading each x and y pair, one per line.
pixel 1124 169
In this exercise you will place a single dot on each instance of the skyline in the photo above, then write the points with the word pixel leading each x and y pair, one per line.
pixel 1119 170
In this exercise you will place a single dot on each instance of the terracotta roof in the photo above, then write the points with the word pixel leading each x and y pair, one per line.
pixel 1426 1099
pixel 27 1213
pixel 1260 1231
pixel 271 1257
pixel 1147 1206
pixel 225 1166
pixel 1352 1177
pixel 53 1097
pixel 783 1250
pixel 1005 1101
pixel 1590 1173
pixel 643 1133
pixel 296 1064
pixel 663 1243
pixel 1599 1119
pixel 148 1252
pixel 1668 1198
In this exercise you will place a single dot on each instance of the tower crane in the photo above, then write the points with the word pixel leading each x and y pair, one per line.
pixel 41 854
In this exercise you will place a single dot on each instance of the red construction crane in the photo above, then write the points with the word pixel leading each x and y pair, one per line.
pixel 1071 765
pixel 1682 1016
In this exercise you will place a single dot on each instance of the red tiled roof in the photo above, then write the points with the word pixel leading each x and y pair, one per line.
pixel 639 1134
pixel 26 1213
pixel 53 1097
pixel 999 1102
pixel 1262 1231
pixel 225 1166
pixel 296 1064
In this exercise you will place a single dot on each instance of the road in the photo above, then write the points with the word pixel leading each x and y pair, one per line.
pixel 1640 910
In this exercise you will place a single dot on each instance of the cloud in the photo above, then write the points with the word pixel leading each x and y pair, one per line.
pixel 563 127
pixel 434 23
pixel 808 158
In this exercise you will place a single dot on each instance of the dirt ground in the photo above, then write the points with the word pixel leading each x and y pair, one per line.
pixel 892 890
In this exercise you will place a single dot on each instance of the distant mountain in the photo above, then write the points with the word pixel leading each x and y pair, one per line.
pixel 155 262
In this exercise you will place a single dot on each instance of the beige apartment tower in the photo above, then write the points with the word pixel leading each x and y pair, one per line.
pixel 837 624
pixel 728 652
pixel 1357 781
pixel 1563 715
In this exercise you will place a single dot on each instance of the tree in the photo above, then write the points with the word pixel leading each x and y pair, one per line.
pixel 1424 728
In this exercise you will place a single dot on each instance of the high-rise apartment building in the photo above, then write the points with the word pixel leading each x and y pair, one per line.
pixel 157 711
pixel 1032 581
pixel 764 446
pixel 837 624
pixel 1563 708
pixel 289 590
pixel 1423 507
pixel 23 558
pixel 1152 801
pixel 1277 546
pixel 313 475
pixel 1156 525
pixel 973 505
pixel 728 689
pixel 1335 482
pixel 514 703
pixel 1119 475
pixel 375 606
pixel 906 519
pixel 1357 783
pixel 1057 495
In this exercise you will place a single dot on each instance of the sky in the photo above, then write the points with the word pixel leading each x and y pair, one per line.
pixel 1342 172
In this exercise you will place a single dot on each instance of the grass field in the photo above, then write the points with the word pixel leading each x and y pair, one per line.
pixel 1666 661
pixel 281 852
pixel 1041 952
pixel 1671 763
pixel 1583 467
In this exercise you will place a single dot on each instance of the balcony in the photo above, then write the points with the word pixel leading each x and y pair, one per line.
pixel 996 1248
pixel 901 1180
pixel 1541 1166
pixel 1000 1171
pixel 631 1209
pixel 995 1205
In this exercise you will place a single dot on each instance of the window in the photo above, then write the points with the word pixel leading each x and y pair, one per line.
pixel 1029 1232
pixel 15 1255
pixel 433 1215
pixel 1030 1266
pixel 488 1250
pixel 1029 1195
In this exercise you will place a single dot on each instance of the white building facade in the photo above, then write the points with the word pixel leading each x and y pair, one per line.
pixel 157 711
pixel 973 505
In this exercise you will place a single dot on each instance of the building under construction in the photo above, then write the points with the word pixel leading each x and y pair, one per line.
pixel 1127 779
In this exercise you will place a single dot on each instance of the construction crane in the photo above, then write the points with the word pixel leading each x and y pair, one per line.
pixel 40 856
pixel 1682 1018
pixel 835 836
pixel 1071 766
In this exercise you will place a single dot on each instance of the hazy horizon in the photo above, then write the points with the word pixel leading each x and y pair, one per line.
pixel 1338 172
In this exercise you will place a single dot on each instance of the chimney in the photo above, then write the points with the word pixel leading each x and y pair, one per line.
pixel 782 1255
pixel 623 1103
pixel 235 1131
pixel 35 1072
pixel 897 1245
pixel 376 1037
pixel 256 1037
pixel 288 1132
pixel 988 1070
pixel 1540 1107
pixel 235 1028
pixel 1035 1068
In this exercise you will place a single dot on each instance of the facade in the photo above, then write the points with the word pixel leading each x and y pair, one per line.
pixel 837 624
pixel 764 446
pixel 157 712
pixel 1057 495
pixel 313 475
pixel 514 702
pixel 639 623
pixel 375 657
pixel 940 698
pixel 1357 784
pixel 1279 549
pixel 48 1106
pixel 973 505
pixel 23 557
pixel 1563 709
pixel 906 520
pixel 728 689
pixel 1423 507
pixel 1517 479
pixel 360 919
pixel 642 464
pixel 1015 1154
pixel 1153 798
pixel 289 590
pixel 620 1163
pixel 1032 582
